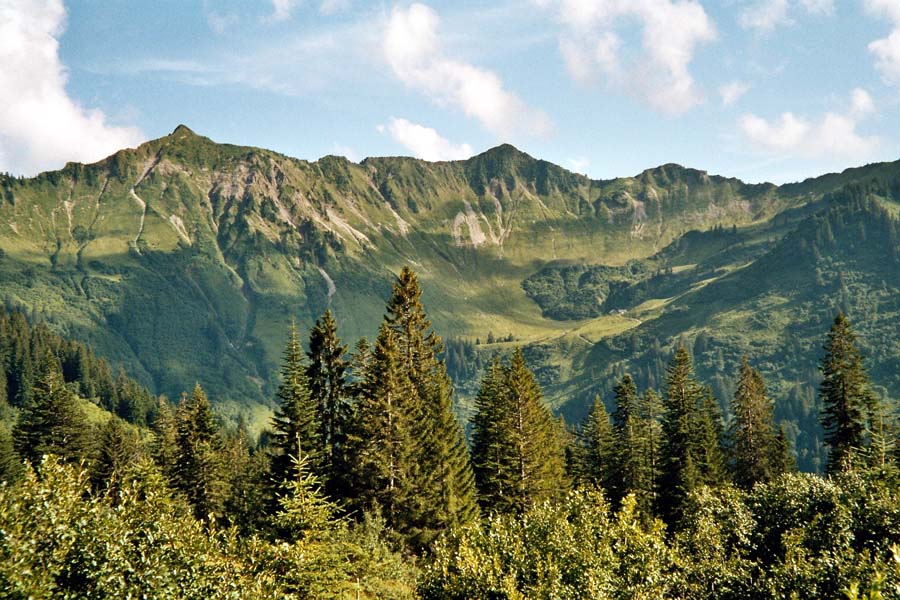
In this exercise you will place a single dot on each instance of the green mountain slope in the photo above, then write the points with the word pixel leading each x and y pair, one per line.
pixel 776 309
pixel 184 259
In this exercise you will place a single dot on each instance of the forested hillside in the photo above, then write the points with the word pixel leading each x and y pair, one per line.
pixel 181 260
pixel 363 485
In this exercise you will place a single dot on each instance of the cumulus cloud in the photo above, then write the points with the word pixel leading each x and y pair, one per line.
pixel 732 92
pixel 424 142
pixel 766 15
pixel 41 127
pixel 412 47
pixel 887 50
pixel 834 135
pixel 330 7
pixel 660 75
pixel 282 9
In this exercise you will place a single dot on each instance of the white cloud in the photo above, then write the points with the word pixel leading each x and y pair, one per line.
pixel 220 23
pixel 818 7
pixel 413 50
pixel 660 75
pixel 732 92
pixel 282 9
pixel 834 135
pixel 424 142
pixel 41 127
pixel 330 7
pixel 766 15
pixel 887 50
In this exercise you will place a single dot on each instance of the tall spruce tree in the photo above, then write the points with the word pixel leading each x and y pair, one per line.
pixel 52 422
pixel 652 412
pixel 326 373
pixel 753 439
pixel 383 446
pixel 295 421
pixel 680 473
pixel 597 445
pixel 847 399
pixel 118 447
pixel 164 448
pixel 631 465
pixel 520 455
pixel 198 463
pixel 447 484
pixel 709 434
pixel 490 452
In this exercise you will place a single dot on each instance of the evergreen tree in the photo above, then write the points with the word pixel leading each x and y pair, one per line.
pixel 52 422
pixel 295 421
pixel 847 400
pixel 382 442
pixel 490 452
pixel 447 485
pixel 305 512
pixel 709 437
pixel 631 464
pixel 652 413
pixel 118 447
pixel 680 473
pixel 326 373
pixel 753 440
pixel 783 460
pixel 198 463
pixel 248 481
pixel 520 456
pixel 164 448
pixel 10 462
pixel 598 446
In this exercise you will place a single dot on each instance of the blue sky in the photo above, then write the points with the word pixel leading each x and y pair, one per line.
pixel 775 90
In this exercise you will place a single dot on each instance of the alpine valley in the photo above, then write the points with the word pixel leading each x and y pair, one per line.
pixel 184 260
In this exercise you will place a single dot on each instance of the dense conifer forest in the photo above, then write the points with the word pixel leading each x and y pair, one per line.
pixel 366 485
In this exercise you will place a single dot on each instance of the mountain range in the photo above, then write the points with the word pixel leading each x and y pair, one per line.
pixel 185 260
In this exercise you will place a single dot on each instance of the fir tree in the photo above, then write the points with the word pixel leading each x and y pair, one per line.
pixel 631 465
pixel 52 422
pixel 448 487
pixel 652 413
pixel 326 373
pixel 520 457
pixel 598 446
pixel 680 473
pixel 490 452
pixel 708 437
pixel 383 446
pixel 118 447
pixel 305 512
pixel 847 400
pixel 164 448
pixel 753 440
pixel 295 421
pixel 198 463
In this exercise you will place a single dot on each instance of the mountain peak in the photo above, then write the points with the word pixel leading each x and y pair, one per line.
pixel 183 130
pixel 503 150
